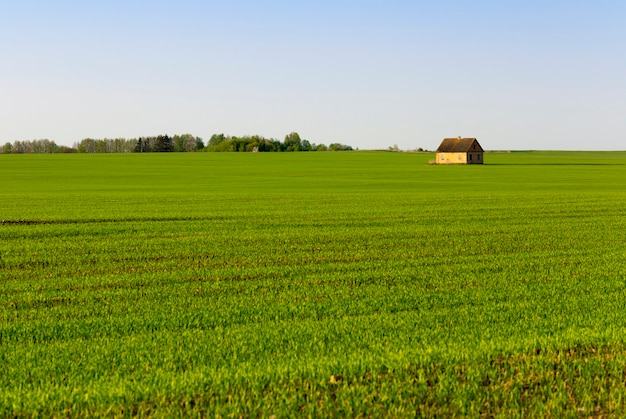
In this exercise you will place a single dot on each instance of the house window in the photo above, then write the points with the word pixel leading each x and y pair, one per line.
pixel 478 157
pixel 470 156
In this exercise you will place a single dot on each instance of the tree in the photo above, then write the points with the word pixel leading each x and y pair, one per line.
pixel 102 146
pixel 130 145
pixel 87 145
pixel 216 139
pixel 43 146
pixel 118 145
pixel 179 143
pixel 339 147
pixel 266 145
pixel 257 143
pixel 292 142
pixel 187 142
pixel 306 146
pixel 139 147
pixel 145 145
pixel 163 143
pixel 7 148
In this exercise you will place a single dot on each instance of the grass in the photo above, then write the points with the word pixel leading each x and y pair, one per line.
pixel 335 284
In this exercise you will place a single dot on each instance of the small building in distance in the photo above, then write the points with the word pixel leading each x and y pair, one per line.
pixel 460 151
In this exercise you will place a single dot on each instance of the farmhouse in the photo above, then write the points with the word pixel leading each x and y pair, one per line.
pixel 460 151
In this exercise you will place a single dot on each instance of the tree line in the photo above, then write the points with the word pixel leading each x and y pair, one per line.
pixel 177 143
pixel 35 147
pixel 256 143
pixel 154 144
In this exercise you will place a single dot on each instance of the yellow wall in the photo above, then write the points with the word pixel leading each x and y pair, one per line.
pixel 459 158
pixel 451 158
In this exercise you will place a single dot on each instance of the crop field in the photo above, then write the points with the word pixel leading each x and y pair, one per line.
pixel 312 284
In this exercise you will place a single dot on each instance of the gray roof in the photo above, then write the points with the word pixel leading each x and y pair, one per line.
pixel 458 145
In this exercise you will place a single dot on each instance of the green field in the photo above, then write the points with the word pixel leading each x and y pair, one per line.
pixel 312 284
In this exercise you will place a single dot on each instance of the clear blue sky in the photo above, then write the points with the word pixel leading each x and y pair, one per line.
pixel 521 74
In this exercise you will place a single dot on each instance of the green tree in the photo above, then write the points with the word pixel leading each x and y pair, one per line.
pixel 179 143
pixel 199 144
pixel 101 146
pixel 87 145
pixel 292 142
pixel 216 139
pixel 266 145
pixel 339 147
pixel 145 144
pixel 306 146
pixel 187 142
pixel 163 143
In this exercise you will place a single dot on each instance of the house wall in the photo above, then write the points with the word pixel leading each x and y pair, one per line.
pixel 476 158
pixel 459 158
pixel 451 158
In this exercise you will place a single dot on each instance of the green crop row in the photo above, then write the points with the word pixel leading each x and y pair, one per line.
pixel 339 284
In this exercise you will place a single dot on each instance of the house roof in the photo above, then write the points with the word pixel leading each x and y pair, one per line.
pixel 458 145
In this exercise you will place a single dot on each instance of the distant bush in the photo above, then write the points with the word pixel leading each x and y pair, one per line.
pixel 339 147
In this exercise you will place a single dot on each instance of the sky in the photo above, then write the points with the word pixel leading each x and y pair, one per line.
pixel 516 74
